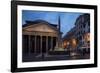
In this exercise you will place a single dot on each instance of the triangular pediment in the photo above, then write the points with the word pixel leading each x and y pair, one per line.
pixel 40 27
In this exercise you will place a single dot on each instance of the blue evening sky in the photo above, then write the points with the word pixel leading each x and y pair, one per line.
pixel 67 19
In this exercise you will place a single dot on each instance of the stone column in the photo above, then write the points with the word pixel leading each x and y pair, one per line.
pixel 41 43
pixel 35 44
pixel 29 43
pixel 56 43
pixel 46 44
pixel 51 43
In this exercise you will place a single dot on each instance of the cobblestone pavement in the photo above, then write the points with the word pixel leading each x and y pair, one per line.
pixel 47 57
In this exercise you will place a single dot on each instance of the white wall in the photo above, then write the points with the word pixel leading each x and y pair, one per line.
pixel 5 32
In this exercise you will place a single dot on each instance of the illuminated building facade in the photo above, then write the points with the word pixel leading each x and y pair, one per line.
pixel 80 33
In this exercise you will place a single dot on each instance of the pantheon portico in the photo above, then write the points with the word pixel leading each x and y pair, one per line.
pixel 39 37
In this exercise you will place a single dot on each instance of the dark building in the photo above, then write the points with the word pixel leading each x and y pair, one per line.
pixel 83 32
pixel 79 36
